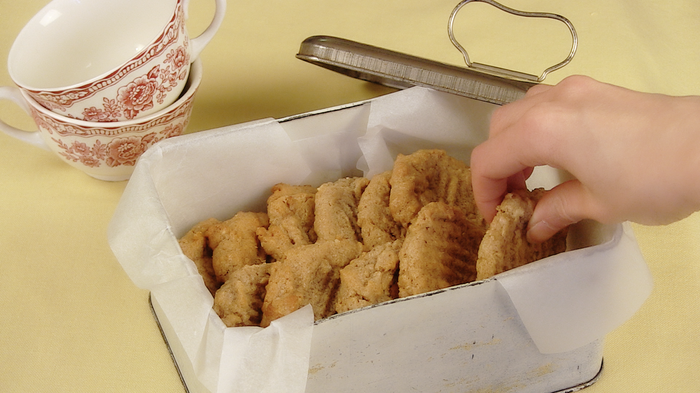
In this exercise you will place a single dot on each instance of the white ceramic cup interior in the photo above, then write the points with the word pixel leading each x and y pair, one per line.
pixel 71 42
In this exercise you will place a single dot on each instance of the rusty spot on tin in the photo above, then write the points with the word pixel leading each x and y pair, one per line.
pixel 468 346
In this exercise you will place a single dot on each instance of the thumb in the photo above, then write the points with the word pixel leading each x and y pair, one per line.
pixel 560 207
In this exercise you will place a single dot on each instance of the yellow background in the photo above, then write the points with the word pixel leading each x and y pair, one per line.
pixel 72 321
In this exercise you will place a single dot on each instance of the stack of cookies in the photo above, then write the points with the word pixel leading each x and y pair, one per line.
pixel 357 242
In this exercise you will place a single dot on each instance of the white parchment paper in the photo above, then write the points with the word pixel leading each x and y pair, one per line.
pixel 565 301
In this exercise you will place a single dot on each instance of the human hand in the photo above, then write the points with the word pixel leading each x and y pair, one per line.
pixel 634 156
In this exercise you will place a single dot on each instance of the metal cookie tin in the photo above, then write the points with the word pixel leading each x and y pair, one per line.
pixel 464 338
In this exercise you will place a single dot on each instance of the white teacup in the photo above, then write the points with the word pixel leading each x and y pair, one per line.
pixel 105 151
pixel 107 60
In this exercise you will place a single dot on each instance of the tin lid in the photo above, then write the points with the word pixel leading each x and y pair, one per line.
pixel 399 70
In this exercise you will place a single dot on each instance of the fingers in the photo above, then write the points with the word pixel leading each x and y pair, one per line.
pixel 489 182
pixel 565 204
pixel 579 125
pixel 488 194
pixel 501 164
pixel 522 135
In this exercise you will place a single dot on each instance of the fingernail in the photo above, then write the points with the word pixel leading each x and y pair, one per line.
pixel 540 232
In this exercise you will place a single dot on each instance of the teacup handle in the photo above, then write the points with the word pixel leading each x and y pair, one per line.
pixel 32 137
pixel 198 43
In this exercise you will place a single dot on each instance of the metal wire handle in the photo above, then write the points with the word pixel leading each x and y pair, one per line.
pixel 503 71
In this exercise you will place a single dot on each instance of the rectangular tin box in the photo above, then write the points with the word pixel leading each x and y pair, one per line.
pixel 468 338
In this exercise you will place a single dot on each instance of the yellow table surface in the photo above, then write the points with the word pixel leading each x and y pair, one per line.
pixel 72 321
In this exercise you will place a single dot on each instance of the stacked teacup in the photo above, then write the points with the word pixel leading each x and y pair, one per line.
pixel 104 80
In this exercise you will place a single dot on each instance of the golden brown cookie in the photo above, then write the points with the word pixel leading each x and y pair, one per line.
pixel 195 247
pixel 336 209
pixel 505 244
pixel 307 275
pixel 430 176
pixel 291 213
pixel 239 301
pixel 377 225
pixel 369 279
pixel 439 251
pixel 235 243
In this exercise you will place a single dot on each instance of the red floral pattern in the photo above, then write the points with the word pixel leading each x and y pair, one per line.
pixel 137 96
pixel 141 93
pixel 119 151
pixel 124 151
pixel 112 146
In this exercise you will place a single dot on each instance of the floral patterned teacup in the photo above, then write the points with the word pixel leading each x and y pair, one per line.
pixel 107 60
pixel 105 151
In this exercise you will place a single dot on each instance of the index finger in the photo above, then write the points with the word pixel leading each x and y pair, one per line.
pixel 492 175
pixel 509 152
